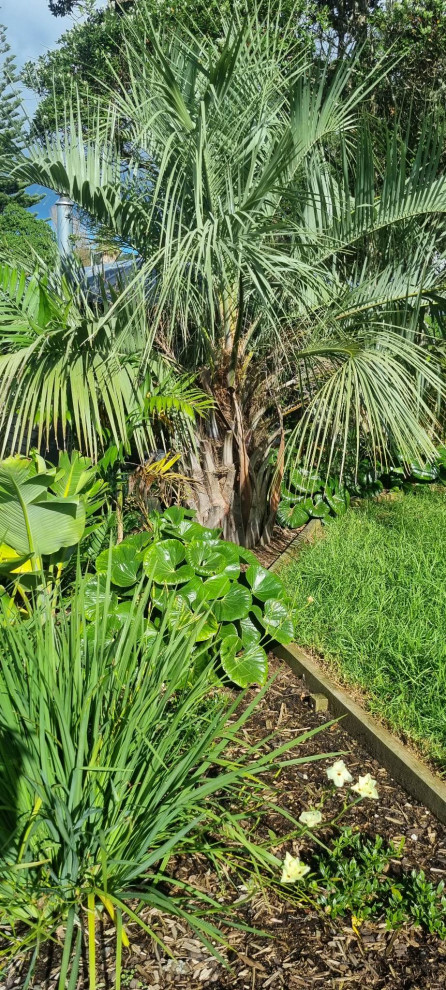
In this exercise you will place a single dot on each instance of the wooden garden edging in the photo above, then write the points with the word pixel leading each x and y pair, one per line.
pixel 409 771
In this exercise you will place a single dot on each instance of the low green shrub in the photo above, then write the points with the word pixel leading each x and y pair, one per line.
pixel 358 875
pixel 111 761
pixel 245 605
pixel 305 495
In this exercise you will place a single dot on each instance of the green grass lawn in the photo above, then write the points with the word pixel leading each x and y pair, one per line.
pixel 378 580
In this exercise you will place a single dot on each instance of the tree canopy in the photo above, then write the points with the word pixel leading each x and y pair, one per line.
pixel 12 128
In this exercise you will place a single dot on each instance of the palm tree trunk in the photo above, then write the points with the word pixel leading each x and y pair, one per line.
pixel 234 485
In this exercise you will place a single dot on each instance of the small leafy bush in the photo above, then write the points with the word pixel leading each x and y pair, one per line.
pixel 358 877
pixel 109 762
pixel 369 479
pixel 306 496
pixel 244 605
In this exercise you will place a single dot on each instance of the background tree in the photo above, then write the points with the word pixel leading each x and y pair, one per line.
pixel 12 126
pixel 90 54
pixel 280 266
pixel 413 30
pixel 23 235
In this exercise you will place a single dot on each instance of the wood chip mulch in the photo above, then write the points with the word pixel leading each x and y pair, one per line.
pixel 280 543
pixel 301 947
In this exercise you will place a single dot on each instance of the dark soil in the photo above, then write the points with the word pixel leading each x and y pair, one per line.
pixel 302 947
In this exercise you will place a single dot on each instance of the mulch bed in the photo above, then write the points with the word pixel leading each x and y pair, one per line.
pixel 305 948
pixel 280 542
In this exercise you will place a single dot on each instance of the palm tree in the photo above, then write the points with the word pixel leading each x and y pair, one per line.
pixel 66 361
pixel 280 267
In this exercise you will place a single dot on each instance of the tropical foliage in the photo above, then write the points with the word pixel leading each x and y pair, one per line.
pixel 290 275
pixel 244 610
pixel 69 360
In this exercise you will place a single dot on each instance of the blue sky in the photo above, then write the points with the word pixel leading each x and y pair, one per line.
pixel 31 31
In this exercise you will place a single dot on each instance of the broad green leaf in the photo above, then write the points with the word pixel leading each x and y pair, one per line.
pixel 249 632
pixel 277 621
pixel 206 557
pixel 228 629
pixel 423 472
pixel 12 562
pixel 207 628
pixel 31 520
pixel 263 584
pixel 320 509
pixel 124 564
pixel 95 592
pixel 137 540
pixel 176 514
pixel 304 481
pixel 234 605
pixel 190 530
pixel 243 666
pixel 337 503
pixel 216 587
pixel 298 516
pixel 161 563
pixel 247 556
pixel 74 474
pixel 193 591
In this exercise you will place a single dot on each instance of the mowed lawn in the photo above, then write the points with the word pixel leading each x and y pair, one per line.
pixel 378 580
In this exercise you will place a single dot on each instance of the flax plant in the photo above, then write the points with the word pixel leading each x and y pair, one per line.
pixel 112 758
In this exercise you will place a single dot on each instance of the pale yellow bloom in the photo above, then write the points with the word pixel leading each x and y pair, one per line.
pixel 311 817
pixel 339 774
pixel 366 787
pixel 293 869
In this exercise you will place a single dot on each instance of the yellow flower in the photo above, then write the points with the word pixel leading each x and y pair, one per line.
pixel 339 774
pixel 311 818
pixel 293 869
pixel 310 599
pixel 366 787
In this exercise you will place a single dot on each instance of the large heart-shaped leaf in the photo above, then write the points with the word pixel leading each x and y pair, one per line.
pixel 298 516
pixel 304 481
pixel 263 584
pixel 96 595
pixel 161 563
pixel 207 557
pixel 337 502
pixel 193 592
pixel 249 632
pixel 234 605
pixel 277 621
pixel 216 587
pixel 320 509
pixel 189 530
pixel 243 666
pixel 176 514
pixel 123 562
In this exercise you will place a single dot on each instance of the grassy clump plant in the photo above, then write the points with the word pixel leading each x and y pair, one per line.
pixel 111 759
pixel 371 597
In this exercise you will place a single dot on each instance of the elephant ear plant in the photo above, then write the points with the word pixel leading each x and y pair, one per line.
pixel 44 511
pixel 110 762
pixel 244 605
